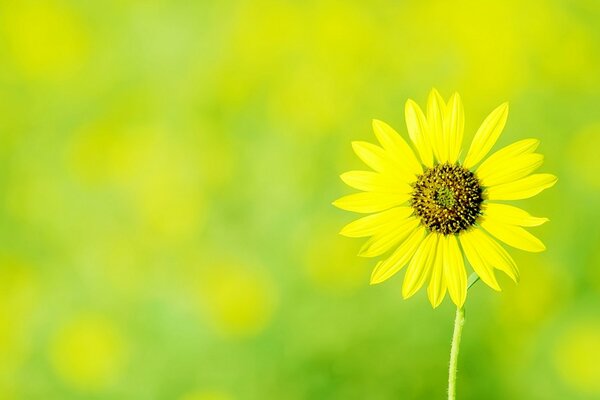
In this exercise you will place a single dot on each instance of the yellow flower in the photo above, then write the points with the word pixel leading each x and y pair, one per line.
pixel 429 208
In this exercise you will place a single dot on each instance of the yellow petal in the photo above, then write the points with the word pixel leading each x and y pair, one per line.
pixel 436 291
pixel 399 258
pixel 511 215
pixel 494 255
pixel 454 127
pixel 454 271
pixel 525 146
pixel 370 202
pixel 385 239
pixel 369 225
pixel 469 242
pixel 416 123
pixel 435 120
pixel 370 181
pixel 510 170
pixel 486 135
pixel 498 257
pixel 397 149
pixel 521 189
pixel 420 266
pixel 513 235
pixel 372 155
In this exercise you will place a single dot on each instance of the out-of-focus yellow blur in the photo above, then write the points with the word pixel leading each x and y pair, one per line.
pixel 167 169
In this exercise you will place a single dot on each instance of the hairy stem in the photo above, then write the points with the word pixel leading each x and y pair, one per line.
pixel 459 321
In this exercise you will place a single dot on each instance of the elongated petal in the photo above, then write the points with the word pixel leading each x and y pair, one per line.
pixel 521 189
pixel 397 148
pixel 454 127
pixel 469 243
pixel 416 123
pixel 373 156
pixel 513 235
pixel 436 291
pixel 525 146
pixel 399 258
pixel 370 202
pixel 370 181
pixel 486 135
pixel 367 226
pixel 512 215
pixel 435 119
pixel 419 268
pixel 510 170
pixel 382 241
pixel 499 258
pixel 455 272
pixel 493 255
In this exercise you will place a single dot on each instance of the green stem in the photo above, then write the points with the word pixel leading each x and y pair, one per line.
pixel 459 321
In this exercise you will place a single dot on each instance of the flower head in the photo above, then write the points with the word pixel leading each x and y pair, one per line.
pixel 433 209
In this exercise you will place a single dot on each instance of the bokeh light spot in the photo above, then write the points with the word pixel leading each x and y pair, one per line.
pixel 92 152
pixel 238 300
pixel 576 357
pixel 88 353
pixel 45 38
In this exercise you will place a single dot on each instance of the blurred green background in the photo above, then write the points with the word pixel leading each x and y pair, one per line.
pixel 167 169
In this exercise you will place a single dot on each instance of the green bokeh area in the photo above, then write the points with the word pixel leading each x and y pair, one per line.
pixel 167 170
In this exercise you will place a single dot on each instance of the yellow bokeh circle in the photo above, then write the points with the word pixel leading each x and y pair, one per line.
pixel 45 38
pixel 88 353
pixel 238 300
pixel 576 357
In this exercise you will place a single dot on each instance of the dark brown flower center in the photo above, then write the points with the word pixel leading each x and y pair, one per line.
pixel 447 198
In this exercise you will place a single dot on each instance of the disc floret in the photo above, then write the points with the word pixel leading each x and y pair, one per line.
pixel 447 198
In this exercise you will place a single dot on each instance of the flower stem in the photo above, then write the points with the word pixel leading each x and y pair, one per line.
pixel 459 321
